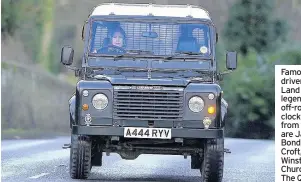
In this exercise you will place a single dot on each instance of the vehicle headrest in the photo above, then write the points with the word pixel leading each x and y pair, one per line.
pixel 187 44
pixel 106 42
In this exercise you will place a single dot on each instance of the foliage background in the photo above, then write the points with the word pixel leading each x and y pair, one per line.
pixel 264 33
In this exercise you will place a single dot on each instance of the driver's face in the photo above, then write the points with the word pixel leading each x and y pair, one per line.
pixel 117 39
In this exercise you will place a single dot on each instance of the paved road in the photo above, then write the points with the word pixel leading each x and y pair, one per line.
pixel 45 160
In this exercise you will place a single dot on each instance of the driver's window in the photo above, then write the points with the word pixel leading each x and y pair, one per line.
pixel 99 33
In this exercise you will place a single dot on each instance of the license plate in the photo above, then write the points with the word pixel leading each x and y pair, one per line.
pixel 158 133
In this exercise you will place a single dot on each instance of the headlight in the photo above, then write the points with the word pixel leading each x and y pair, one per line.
pixel 196 104
pixel 100 101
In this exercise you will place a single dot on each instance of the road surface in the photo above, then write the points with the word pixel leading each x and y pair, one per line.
pixel 45 160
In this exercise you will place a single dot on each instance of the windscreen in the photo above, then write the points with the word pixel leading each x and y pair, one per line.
pixel 160 39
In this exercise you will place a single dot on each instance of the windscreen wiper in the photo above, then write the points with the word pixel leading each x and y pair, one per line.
pixel 118 56
pixel 131 69
pixel 138 51
pixel 129 53
pixel 183 52
pixel 123 55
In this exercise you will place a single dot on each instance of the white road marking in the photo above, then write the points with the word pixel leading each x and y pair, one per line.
pixel 12 167
pixel 38 176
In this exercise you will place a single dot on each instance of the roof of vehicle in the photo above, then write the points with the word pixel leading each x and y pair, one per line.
pixel 153 9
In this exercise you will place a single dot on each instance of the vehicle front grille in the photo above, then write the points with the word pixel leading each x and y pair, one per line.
pixel 166 104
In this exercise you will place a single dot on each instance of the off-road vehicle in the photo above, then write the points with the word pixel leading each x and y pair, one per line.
pixel 148 84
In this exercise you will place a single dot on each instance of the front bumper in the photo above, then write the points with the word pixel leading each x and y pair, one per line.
pixel 175 132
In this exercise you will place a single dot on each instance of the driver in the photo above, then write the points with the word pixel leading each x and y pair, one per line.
pixel 118 38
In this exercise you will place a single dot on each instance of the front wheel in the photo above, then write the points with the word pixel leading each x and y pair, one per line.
pixel 80 157
pixel 213 160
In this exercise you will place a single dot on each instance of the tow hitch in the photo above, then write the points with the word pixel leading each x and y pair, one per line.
pixel 227 151
pixel 68 145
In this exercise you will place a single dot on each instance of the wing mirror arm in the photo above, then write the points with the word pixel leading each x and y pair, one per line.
pixel 67 55
pixel 77 71
pixel 221 75
pixel 231 64
pixel 71 68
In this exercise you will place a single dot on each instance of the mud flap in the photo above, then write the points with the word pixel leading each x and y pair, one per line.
pixel 195 162
pixel 72 109
pixel 224 108
pixel 97 159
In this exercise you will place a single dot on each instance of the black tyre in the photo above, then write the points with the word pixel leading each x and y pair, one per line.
pixel 80 157
pixel 212 168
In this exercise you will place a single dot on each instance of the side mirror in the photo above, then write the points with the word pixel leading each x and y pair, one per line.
pixel 231 60
pixel 83 30
pixel 67 55
pixel 216 37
